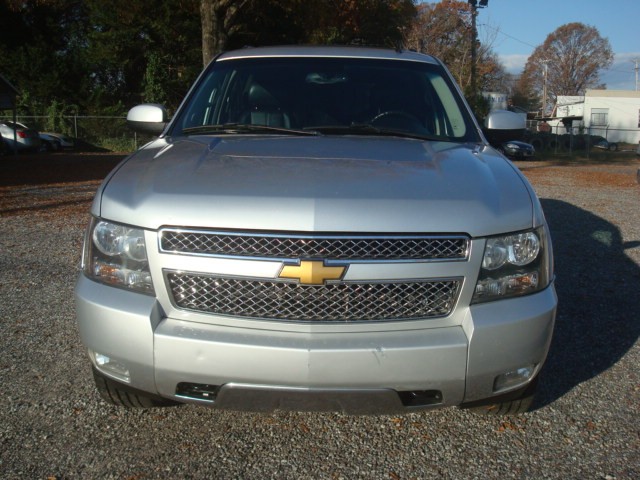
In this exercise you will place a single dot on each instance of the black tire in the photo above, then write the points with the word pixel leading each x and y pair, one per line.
pixel 118 394
pixel 510 404
pixel 613 147
pixel 537 143
pixel 554 145
pixel 50 146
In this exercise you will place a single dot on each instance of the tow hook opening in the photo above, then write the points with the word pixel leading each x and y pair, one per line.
pixel 197 391
pixel 420 398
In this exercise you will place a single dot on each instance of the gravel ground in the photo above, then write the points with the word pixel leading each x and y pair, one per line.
pixel 586 422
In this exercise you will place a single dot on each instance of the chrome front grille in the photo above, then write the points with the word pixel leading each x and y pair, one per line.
pixel 338 247
pixel 334 302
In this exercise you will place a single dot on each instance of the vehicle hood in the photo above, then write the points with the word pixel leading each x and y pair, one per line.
pixel 325 184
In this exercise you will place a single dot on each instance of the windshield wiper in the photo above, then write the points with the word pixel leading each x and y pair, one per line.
pixel 235 128
pixel 368 129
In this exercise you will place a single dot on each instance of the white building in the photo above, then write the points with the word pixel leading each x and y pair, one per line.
pixel 612 114
pixel 570 106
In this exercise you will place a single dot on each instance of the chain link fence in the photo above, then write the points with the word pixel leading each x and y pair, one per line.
pixel 91 133
pixel 110 133
pixel 561 140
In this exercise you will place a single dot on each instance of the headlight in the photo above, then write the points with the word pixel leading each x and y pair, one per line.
pixel 512 265
pixel 116 254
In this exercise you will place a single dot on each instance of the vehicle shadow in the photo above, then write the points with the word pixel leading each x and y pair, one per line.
pixel 63 167
pixel 597 285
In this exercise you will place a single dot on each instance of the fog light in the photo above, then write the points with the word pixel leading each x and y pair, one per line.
pixel 513 379
pixel 112 367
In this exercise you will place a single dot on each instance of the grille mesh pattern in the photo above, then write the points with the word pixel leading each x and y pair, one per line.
pixel 340 302
pixel 343 248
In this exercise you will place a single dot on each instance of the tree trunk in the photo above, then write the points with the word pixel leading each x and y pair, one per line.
pixel 218 19
pixel 207 23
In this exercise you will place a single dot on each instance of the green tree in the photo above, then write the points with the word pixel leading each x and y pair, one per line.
pixel 103 56
pixel 155 80
pixel 99 55
pixel 125 37
pixel 43 53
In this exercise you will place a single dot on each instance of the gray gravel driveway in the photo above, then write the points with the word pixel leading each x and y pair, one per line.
pixel 586 423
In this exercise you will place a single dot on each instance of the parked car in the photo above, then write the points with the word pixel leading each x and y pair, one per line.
pixel 49 144
pixel 317 228
pixel 56 141
pixel 606 145
pixel 19 136
pixel 502 127
pixel 517 150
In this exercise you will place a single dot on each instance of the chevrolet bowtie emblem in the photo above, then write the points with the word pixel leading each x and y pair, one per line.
pixel 312 272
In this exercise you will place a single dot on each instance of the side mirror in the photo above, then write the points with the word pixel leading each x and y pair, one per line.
pixel 502 126
pixel 147 118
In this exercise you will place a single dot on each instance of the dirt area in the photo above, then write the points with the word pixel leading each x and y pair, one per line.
pixel 619 171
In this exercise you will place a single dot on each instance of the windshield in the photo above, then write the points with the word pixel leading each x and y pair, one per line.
pixel 326 96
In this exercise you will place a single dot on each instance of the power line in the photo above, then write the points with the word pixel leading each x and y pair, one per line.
pixel 498 30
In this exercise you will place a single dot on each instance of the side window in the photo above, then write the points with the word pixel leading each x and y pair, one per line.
pixel 600 117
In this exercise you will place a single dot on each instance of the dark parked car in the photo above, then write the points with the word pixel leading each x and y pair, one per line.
pixel 56 141
pixel 517 149
pixel 606 145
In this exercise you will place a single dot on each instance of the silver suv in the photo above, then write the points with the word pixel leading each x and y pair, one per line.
pixel 318 229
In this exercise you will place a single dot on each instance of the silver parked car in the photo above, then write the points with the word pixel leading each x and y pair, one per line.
pixel 18 136
pixel 317 228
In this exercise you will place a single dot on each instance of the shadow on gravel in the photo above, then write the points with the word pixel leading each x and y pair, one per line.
pixel 597 285
pixel 64 167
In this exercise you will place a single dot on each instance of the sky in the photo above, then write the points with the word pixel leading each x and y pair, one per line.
pixel 515 28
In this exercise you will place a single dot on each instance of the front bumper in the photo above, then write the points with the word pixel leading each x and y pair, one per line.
pixel 355 371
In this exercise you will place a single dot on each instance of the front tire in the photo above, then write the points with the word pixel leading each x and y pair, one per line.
pixel 120 395
pixel 514 403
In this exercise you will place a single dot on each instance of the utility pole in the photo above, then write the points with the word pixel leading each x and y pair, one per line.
pixel 636 69
pixel 544 89
pixel 474 54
